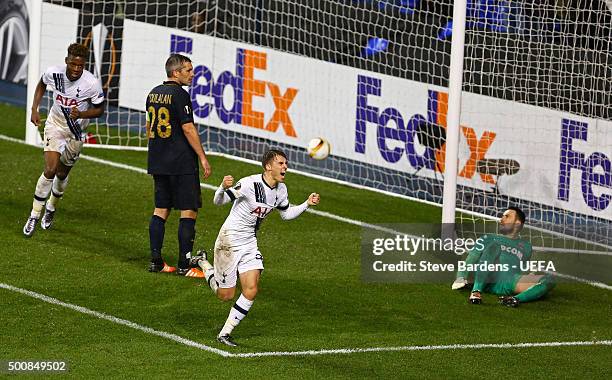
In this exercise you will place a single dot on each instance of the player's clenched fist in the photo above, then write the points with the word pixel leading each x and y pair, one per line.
pixel 35 119
pixel 75 113
pixel 228 181
pixel 313 199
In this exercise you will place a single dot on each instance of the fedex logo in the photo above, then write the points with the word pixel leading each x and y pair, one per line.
pixel 245 88
pixel 66 102
pixel 391 125
pixel 595 169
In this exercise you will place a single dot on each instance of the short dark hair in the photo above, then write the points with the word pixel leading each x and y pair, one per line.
pixel 270 155
pixel 78 50
pixel 174 63
pixel 519 213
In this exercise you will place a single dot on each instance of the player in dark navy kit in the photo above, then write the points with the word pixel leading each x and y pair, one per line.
pixel 174 152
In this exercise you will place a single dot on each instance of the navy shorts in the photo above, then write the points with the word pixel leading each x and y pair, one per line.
pixel 181 192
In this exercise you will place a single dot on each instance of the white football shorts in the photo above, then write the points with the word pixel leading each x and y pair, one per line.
pixel 61 140
pixel 230 261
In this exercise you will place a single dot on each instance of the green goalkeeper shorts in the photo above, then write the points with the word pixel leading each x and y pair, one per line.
pixel 504 287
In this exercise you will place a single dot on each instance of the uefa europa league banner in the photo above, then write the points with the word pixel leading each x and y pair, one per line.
pixel 14 34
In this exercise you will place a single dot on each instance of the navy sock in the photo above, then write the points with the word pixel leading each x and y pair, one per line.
pixel 186 236
pixel 157 228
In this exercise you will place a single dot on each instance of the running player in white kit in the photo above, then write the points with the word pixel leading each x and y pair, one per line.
pixel 236 252
pixel 77 97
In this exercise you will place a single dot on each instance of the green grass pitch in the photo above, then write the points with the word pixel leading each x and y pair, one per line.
pixel 311 295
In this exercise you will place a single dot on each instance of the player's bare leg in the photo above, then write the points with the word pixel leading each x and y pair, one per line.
pixel 249 281
pixel 41 193
pixel 526 282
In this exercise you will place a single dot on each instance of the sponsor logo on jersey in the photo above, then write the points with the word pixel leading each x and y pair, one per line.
pixel 261 212
pixel 512 250
pixel 65 101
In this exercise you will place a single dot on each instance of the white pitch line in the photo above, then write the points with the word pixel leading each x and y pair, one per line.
pixel 425 348
pixel 589 282
pixel 12 139
pixel 324 214
pixel 203 347
pixel 114 164
pixel 119 321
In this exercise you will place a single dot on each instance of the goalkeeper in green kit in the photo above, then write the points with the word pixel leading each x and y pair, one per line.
pixel 496 265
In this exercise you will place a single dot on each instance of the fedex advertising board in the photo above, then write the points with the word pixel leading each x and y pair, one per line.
pixel 558 159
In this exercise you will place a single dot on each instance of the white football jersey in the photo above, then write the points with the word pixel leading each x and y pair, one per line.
pixel 67 94
pixel 253 200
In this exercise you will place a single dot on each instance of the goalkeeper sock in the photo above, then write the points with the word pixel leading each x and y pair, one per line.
pixel 481 278
pixel 186 236
pixel 538 290
pixel 237 314
pixel 57 191
pixel 157 228
pixel 472 258
pixel 41 193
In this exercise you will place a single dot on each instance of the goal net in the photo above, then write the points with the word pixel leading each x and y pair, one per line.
pixel 550 145
pixel 371 77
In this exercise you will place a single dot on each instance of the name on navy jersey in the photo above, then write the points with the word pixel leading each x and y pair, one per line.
pixel 160 98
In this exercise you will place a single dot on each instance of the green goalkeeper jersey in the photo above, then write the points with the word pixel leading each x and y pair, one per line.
pixel 507 255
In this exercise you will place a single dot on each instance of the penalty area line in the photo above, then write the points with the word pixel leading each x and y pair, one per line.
pixel 119 321
pixel 596 284
pixel 203 347
pixel 449 347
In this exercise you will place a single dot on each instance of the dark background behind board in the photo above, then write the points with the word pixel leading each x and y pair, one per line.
pixel 558 57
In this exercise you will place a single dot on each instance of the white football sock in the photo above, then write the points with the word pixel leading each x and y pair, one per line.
pixel 237 314
pixel 57 190
pixel 41 193
pixel 209 275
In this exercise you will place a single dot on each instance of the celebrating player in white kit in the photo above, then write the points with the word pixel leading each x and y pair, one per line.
pixel 236 251
pixel 77 97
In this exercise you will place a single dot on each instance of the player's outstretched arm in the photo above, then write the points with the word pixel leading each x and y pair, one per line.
pixel 288 213
pixel 225 193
